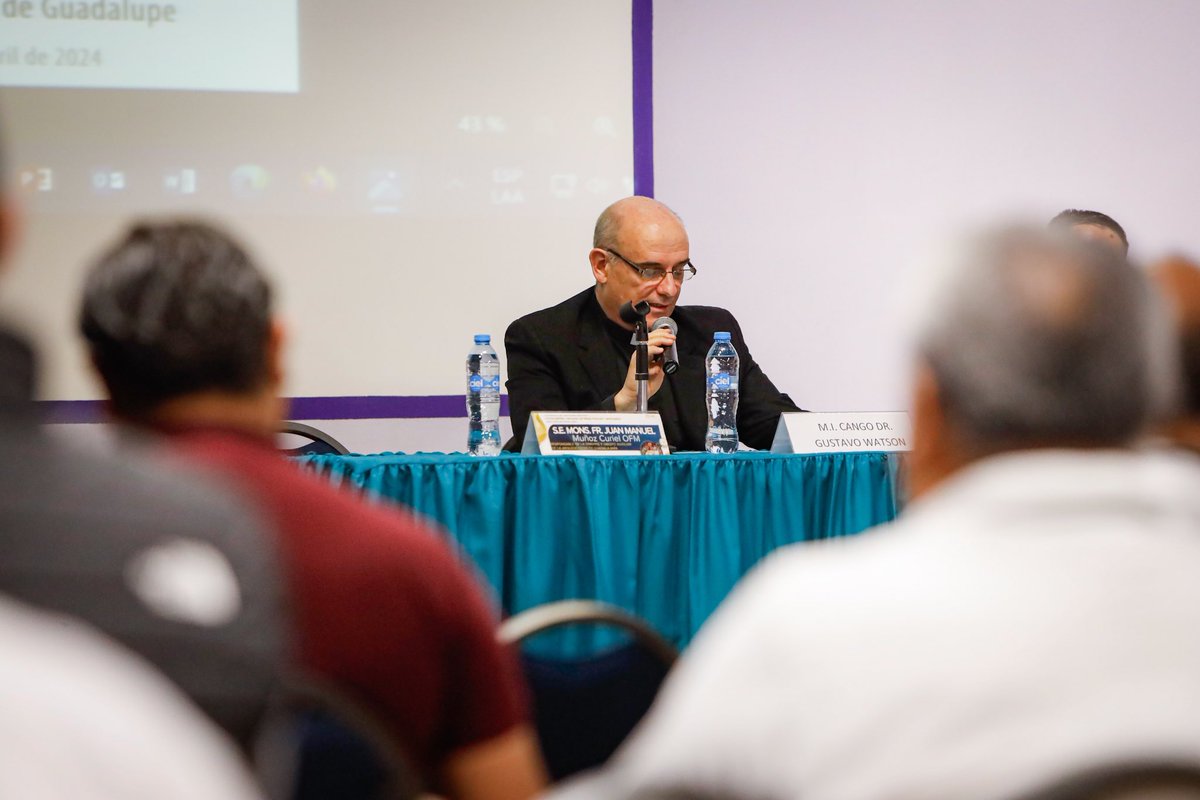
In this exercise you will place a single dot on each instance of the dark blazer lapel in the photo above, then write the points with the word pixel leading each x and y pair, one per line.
pixel 595 353
pixel 688 386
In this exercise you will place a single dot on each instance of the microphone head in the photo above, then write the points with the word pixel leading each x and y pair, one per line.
pixel 634 313
pixel 671 357
pixel 665 322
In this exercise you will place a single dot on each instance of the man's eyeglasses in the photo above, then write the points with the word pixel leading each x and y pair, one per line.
pixel 683 272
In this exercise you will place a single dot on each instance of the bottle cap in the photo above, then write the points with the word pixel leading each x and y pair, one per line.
pixel 721 336
pixel 483 338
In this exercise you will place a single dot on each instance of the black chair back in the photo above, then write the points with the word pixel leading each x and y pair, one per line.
pixel 585 707
pixel 319 442
pixel 320 745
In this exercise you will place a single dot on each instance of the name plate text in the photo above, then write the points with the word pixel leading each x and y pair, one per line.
pixel 843 432
pixel 594 433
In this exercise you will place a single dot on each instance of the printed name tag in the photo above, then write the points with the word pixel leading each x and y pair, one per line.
pixel 594 433
pixel 843 432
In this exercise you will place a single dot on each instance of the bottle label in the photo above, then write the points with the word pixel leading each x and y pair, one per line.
pixel 720 380
pixel 477 383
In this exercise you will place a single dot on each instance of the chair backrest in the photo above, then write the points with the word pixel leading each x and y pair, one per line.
pixel 319 442
pixel 321 745
pixel 585 707
pixel 1133 780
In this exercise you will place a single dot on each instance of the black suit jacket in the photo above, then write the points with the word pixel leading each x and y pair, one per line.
pixel 561 359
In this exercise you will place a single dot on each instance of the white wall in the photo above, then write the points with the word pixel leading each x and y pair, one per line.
pixel 815 149
pixel 818 149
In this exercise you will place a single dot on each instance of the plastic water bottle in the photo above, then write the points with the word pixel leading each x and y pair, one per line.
pixel 721 370
pixel 483 398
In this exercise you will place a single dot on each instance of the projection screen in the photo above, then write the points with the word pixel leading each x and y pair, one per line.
pixel 410 173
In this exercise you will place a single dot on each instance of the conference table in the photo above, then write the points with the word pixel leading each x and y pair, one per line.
pixel 664 537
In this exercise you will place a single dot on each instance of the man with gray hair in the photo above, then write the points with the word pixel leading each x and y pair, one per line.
pixel 1035 610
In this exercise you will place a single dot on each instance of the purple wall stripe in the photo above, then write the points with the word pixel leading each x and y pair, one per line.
pixel 71 412
pixel 643 97
pixel 409 407
pixel 404 407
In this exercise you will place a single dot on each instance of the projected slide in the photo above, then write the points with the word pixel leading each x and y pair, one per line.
pixel 227 45
pixel 429 109
pixel 439 167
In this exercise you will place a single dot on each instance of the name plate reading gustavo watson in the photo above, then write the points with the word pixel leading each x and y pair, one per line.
pixel 594 433
pixel 843 432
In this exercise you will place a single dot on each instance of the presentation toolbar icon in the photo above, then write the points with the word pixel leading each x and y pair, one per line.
pixel 249 180
pixel 36 179
pixel 384 191
pixel 507 197
pixel 180 181
pixel 106 180
pixel 507 174
pixel 319 180
pixel 563 186
pixel 507 191
pixel 471 123
pixel 479 123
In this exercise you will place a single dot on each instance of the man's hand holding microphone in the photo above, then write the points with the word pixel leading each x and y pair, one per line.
pixel 663 360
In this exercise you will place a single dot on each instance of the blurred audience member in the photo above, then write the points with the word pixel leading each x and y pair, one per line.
pixel 84 720
pixel 150 554
pixel 1093 226
pixel 1179 279
pixel 179 323
pixel 1035 611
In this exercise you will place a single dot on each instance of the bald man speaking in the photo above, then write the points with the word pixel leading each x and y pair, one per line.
pixel 579 356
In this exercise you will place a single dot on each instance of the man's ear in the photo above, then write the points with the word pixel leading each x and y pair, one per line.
pixel 599 259
pixel 10 218
pixel 931 458
pixel 276 343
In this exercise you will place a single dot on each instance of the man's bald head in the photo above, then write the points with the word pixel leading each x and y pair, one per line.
pixel 631 213
pixel 634 235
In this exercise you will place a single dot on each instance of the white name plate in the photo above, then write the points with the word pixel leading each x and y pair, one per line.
pixel 843 432
pixel 594 433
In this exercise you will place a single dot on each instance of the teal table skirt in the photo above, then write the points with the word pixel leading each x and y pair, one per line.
pixel 663 537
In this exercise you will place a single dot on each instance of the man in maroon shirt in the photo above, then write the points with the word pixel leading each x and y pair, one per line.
pixel 178 322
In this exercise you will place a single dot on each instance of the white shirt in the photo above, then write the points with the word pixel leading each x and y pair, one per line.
pixel 1038 612
pixel 82 719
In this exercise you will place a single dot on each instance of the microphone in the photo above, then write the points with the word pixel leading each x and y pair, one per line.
pixel 671 356
pixel 634 314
